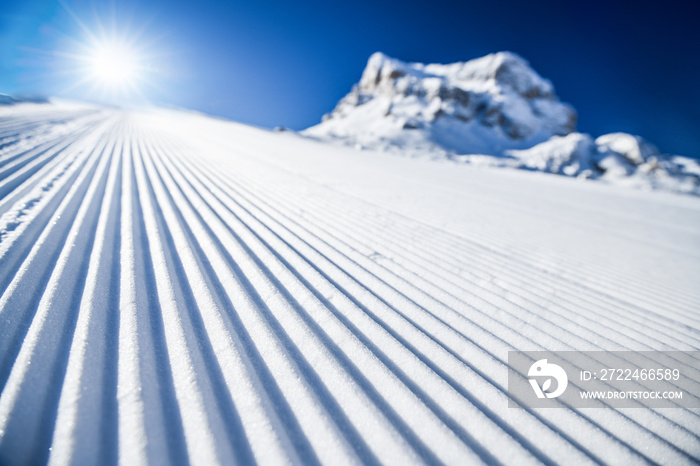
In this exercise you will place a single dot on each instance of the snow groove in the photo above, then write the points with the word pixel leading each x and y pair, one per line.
pixel 175 289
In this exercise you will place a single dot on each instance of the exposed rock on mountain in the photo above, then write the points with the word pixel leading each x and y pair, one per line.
pixel 496 111
pixel 485 105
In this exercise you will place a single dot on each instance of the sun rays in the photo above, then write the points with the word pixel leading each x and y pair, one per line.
pixel 106 61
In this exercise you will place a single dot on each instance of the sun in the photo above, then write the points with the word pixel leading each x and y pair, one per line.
pixel 114 65
pixel 109 60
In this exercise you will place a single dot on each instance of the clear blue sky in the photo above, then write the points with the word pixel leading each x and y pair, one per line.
pixel 625 66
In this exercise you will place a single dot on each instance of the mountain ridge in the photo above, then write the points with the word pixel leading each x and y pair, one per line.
pixel 494 110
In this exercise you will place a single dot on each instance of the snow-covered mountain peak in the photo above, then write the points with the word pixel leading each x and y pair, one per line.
pixel 503 69
pixel 486 105
pixel 494 110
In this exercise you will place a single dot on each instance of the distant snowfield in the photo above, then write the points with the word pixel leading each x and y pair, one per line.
pixel 179 289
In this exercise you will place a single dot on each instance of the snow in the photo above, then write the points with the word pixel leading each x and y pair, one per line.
pixel 570 155
pixel 633 148
pixel 485 105
pixel 494 111
pixel 181 289
pixel 616 158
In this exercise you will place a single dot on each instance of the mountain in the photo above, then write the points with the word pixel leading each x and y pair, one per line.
pixel 12 100
pixel 485 105
pixel 494 110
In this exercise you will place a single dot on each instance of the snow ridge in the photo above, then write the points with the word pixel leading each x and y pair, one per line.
pixel 177 289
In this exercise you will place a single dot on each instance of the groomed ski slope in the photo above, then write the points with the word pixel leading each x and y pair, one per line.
pixel 178 289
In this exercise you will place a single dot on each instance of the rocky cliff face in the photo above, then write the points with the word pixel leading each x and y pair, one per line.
pixel 486 105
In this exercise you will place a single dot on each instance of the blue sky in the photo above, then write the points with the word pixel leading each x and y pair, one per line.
pixel 625 66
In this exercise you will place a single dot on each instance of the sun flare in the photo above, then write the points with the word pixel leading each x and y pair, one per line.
pixel 108 59
pixel 113 65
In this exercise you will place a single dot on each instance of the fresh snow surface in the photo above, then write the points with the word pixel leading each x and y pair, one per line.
pixel 178 289
pixel 495 111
